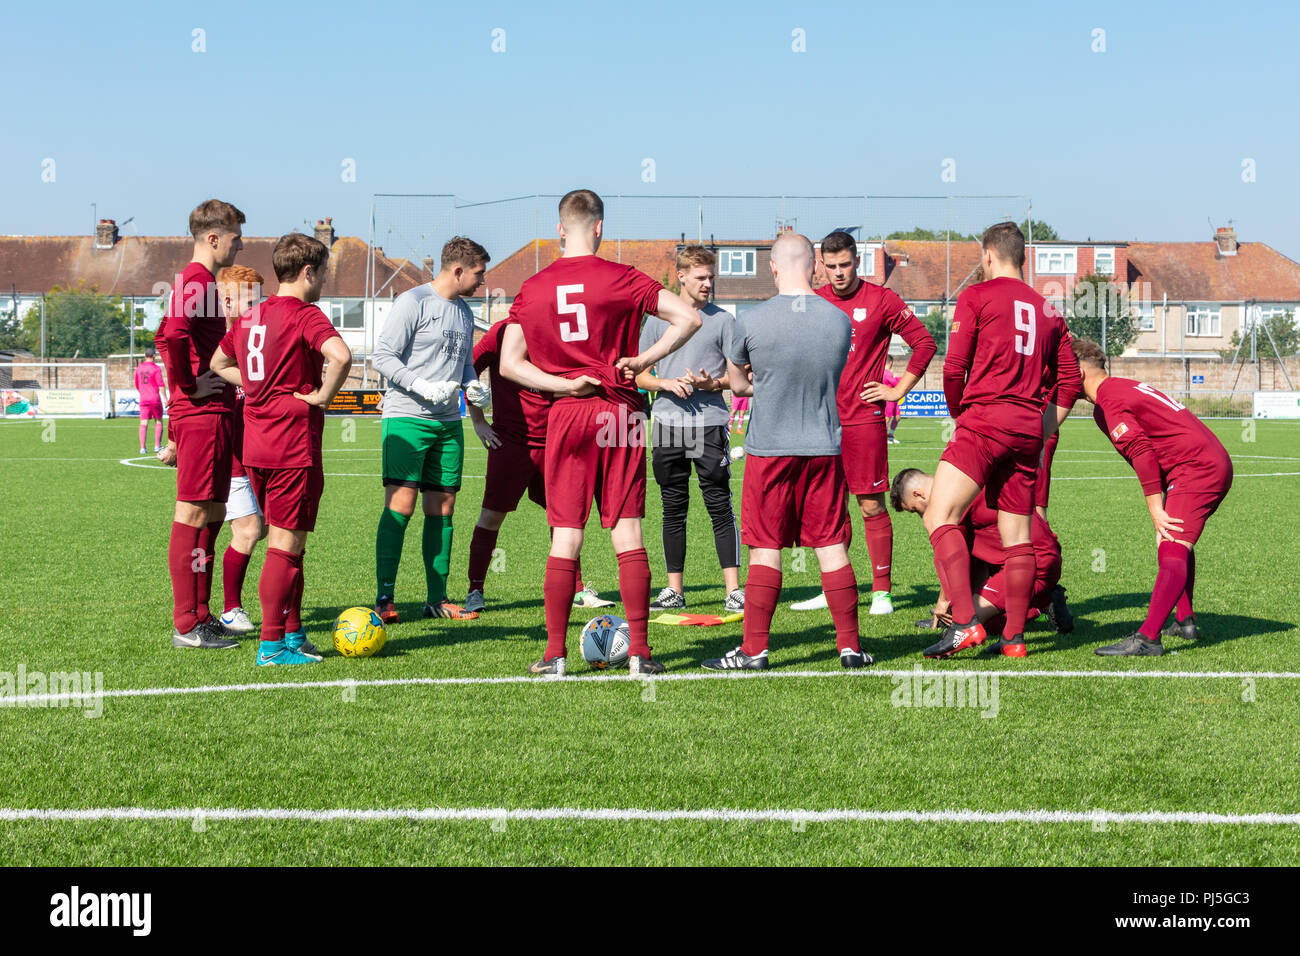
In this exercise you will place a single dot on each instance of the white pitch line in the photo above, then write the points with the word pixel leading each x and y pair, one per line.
pixel 527 814
pixel 28 700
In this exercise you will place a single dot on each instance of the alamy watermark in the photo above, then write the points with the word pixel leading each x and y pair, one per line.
pixel 919 689
pixel 53 689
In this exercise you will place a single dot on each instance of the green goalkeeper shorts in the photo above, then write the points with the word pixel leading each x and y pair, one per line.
pixel 419 453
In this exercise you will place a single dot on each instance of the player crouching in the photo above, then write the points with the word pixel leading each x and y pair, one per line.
pixel 1185 473
pixel 275 352
pixel 911 492
pixel 794 491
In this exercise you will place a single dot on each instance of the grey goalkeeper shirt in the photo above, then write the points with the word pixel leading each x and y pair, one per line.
pixel 797 345
pixel 429 337
pixel 706 349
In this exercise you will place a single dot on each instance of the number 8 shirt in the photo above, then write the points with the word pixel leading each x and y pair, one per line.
pixel 277 348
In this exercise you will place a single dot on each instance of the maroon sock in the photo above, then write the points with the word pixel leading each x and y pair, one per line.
pixel 634 589
pixel 952 561
pixel 203 585
pixel 234 567
pixel 762 591
pixel 481 545
pixel 1171 580
pixel 180 563
pixel 557 597
pixel 577 584
pixel 1183 609
pixel 841 590
pixel 293 611
pixel 1019 568
pixel 879 532
pixel 274 589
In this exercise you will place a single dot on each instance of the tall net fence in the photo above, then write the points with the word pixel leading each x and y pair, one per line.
pixel 414 227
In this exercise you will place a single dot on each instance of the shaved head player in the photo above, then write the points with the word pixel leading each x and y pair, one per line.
pixel 794 490
pixel 573 332
pixel 875 314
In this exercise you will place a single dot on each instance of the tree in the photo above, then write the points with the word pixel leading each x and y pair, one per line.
pixel 1283 330
pixel 15 335
pixel 1042 231
pixel 1094 298
pixel 936 325
pixel 80 322
pixel 931 235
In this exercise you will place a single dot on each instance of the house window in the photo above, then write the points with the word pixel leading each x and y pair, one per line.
pixel 1262 313
pixel 1103 262
pixel 866 261
pixel 736 262
pixel 1146 316
pixel 1204 319
pixel 1055 262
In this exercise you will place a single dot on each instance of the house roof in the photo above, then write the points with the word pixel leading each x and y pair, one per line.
pixel 654 257
pixel 136 265
pixel 1196 272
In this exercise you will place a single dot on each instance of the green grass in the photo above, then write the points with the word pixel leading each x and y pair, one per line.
pixel 83 586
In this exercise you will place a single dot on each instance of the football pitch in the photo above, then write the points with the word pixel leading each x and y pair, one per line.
pixel 441 751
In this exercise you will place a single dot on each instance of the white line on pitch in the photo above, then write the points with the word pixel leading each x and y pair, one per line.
pixel 1196 817
pixel 31 699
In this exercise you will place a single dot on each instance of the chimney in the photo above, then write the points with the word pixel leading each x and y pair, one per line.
pixel 1225 237
pixel 106 234
pixel 325 231
pixel 428 264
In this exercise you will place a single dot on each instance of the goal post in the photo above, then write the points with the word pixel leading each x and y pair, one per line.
pixel 30 390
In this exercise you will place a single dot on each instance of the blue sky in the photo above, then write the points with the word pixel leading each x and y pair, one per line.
pixel 1145 140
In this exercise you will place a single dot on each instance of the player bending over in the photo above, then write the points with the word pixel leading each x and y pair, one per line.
pixel 516 444
pixel 426 353
pixel 574 334
pixel 241 288
pixel 690 425
pixel 199 429
pixel 794 490
pixel 152 389
pixel 1008 349
pixel 911 492
pixel 875 315
pixel 1185 474
pixel 276 352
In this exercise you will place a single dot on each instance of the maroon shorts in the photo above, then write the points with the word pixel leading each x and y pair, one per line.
pixel 595 450
pixel 1194 494
pixel 151 410
pixel 1047 574
pixel 1006 472
pixel 513 469
pixel 864 449
pixel 289 497
pixel 203 448
pixel 1044 477
pixel 790 501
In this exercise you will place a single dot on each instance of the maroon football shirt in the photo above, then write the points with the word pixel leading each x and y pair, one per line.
pixel 189 333
pixel 1157 435
pixel 580 315
pixel 518 413
pixel 875 315
pixel 1008 350
pixel 277 346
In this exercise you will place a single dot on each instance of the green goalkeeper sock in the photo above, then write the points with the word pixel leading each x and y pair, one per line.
pixel 388 549
pixel 437 556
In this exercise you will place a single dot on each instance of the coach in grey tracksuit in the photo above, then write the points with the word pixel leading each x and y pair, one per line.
pixel 691 425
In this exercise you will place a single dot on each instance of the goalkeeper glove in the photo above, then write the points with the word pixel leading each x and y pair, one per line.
pixel 478 394
pixel 439 393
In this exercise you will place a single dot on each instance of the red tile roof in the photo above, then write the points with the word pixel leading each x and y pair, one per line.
pixel 136 266
pixel 1196 272
pixel 654 257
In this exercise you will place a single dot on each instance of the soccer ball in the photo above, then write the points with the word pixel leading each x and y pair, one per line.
pixel 605 642
pixel 737 453
pixel 359 632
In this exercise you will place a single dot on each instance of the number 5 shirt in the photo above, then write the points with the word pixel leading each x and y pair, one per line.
pixel 277 346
